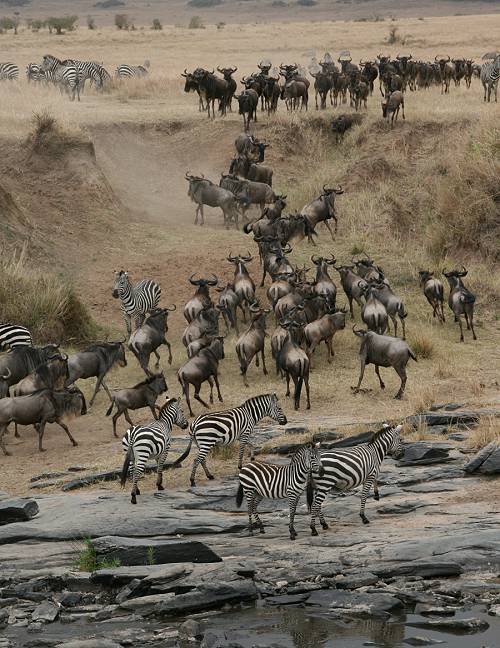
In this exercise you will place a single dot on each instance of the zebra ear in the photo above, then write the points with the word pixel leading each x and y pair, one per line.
pixel 317 445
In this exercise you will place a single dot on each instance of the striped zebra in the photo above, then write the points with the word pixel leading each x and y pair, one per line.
pixel 136 300
pixel 90 70
pixel 34 73
pixel 259 480
pixel 490 73
pixel 129 71
pixel 151 440
pixel 8 71
pixel 65 76
pixel 13 335
pixel 348 468
pixel 237 424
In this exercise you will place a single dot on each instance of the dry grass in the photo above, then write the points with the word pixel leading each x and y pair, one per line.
pixel 487 430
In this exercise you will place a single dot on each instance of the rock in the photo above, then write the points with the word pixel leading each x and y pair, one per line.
pixel 17 510
pixel 129 589
pixel 494 610
pixel 89 643
pixel 453 626
pixel 190 630
pixel 355 579
pixel 206 597
pixel 49 475
pixel 440 487
pixel 422 641
pixel 118 576
pixel 419 568
pixel 108 475
pixel 458 436
pixel 350 441
pixel 422 454
pixel 400 508
pixel 282 449
pixel 354 602
pixel 4 618
pixel 486 461
pixel 287 599
pixel 77 468
pixel 331 435
pixel 433 610
pixel 70 599
pixel 146 605
pixel 294 429
pixel 459 419
pixel 137 551
pixel 46 612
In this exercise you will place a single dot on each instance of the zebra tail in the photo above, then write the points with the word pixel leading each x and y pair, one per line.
pixel 239 496
pixel 309 493
pixel 108 413
pixel 126 466
pixel 183 456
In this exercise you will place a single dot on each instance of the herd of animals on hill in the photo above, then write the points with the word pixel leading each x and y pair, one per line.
pixel 304 309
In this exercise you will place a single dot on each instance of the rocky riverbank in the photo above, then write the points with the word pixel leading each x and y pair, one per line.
pixel 162 569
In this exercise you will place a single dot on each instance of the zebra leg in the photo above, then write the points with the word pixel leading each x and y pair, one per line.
pixel 376 495
pixel 257 499
pixel 201 459
pixel 241 453
pixel 66 429
pixel 250 506
pixel 292 501
pixel 317 511
pixel 364 494
pixel 135 489
pixel 160 464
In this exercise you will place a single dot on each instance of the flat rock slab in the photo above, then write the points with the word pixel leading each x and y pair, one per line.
pixel 458 418
pixel 423 569
pixel 453 626
pixel 89 643
pixel 206 597
pixel 422 641
pixel 108 475
pixel 17 510
pixel 371 604
pixel 46 612
pixel 486 461
pixel 286 599
pixel 439 487
pixel 138 551
pixel 421 454
pixel 401 508
pixel 93 514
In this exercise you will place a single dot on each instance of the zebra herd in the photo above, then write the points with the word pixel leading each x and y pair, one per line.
pixel 70 75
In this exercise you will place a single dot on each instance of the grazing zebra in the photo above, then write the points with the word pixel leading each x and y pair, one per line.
pixel 258 480
pixel 34 73
pixel 8 71
pixel 91 70
pixel 223 428
pixel 13 335
pixel 347 468
pixel 136 300
pixel 128 71
pixel 66 76
pixel 490 73
pixel 151 440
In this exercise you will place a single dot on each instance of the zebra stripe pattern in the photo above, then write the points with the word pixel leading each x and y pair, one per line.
pixel 66 76
pixel 490 73
pixel 348 468
pixel 129 71
pixel 34 72
pixel 12 335
pixel 151 440
pixel 259 480
pixel 91 70
pixel 136 300
pixel 8 71
pixel 237 424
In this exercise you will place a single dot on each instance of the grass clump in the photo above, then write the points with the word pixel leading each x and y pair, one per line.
pixel 225 452
pixel 150 556
pixel 88 560
pixel 196 22
pixel 487 430
pixel 422 346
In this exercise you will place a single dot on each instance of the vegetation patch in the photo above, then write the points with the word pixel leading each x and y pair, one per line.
pixel 88 560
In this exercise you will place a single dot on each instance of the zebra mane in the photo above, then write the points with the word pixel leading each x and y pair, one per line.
pixel 379 433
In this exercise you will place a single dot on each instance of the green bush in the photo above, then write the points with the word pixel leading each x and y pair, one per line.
pixel 157 24
pixel 196 23
pixel 89 562
pixel 121 21
pixel 61 24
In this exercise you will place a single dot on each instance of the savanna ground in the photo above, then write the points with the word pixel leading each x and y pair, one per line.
pixel 424 195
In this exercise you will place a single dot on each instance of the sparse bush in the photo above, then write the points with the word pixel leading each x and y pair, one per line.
pixel 395 37
pixel 221 25
pixel 6 24
pixel 89 562
pixel 107 4
pixel 485 432
pixel 307 3
pixel 36 25
pixel 279 3
pixel 121 21
pixel 422 346
pixel 91 23
pixel 196 23
pixel 156 24
pixel 61 24
pixel 204 3
pixel 150 556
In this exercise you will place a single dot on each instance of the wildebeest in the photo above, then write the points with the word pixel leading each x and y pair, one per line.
pixel 383 351
pixel 322 85
pixel 323 330
pixel 447 70
pixel 461 300
pixel 39 408
pixel 227 73
pixel 324 286
pixel 144 394
pixel 342 123
pixel 295 94
pixel 206 322
pixel 353 285
pixel 369 72
pixel 247 144
pixel 434 293
pixel 228 303
pixel 244 286
pixel 204 192
pixel 391 106
pixel 373 312
pixel 292 361
pixel 147 338
pixel 243 166
pixel 249 192
pixel 212 88
pixel 20 362
pixel 322 209
pixel 202 367
pixel 248 101
pixel 251 342
pixel 94 362
pixel 49 375
pixel 393 305
pixel 361 90
pixel 200 298
pixel 192 85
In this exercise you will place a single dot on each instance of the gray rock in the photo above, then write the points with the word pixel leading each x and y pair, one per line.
pixel 118 576
pixel 48 475
pixel 77 468
pixel 422 454
pixel 494 610
pixel 422 641
pixel 322 437
pixel 424 569
pixel 439 487
pixel 17 510
pixel 463 418
pixel 486 461
pixel 287 599
pixel 355 579
pixel 46 612
pixel 137 551
pixel 400 508
pixel 128 590
pixel 453 626
pixel 89 643
pixel 294 429
pixel 354 602
pixel 4 618
pixel 433 610
pixel 70 599
pixel 191 629
pixel 146 605
pixel 108 475
pixel 207 597
pixel 458 436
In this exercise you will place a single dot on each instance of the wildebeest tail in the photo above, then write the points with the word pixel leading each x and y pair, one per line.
pixel 298 389
pixel 467 297
pixel 239 496
pixel 126 466
pixel 412 355
pixel 247 227
pixel 402 312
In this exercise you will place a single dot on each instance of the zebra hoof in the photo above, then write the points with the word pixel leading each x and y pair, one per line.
pixel 314 532
pixel 160 487
pixel 210 477
pixel 376 497
pixel 324 526
pixel 365 520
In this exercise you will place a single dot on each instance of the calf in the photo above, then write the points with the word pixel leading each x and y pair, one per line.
pixel 202 367
pixel 434 293
pixel 323 330
pixel 147 338
pixel 391 106
pixel 461 301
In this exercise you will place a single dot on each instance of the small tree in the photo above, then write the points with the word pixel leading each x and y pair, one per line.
pixel 90 23
pixel 62 24
pixel 36 25
pixel 157 24
pixel 7 23
pixel 121 21
pixel 196 23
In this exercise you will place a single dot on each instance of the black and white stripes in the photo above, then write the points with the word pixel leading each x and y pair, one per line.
pixel 490 74
pixel 223 428
pixel 66 76
pixel 130 71
pixel 151 440
pixel 90 70
pixel 13 335
pixel 136 300
pixel 8 71
pixel 259 480
pixel 348 468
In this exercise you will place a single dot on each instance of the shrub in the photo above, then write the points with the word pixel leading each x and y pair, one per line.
pixel 307 3
pixel 221 25
pixel 61 24
pixel 204 3
pixel 156 24
pixel 107 4
pixel 89 562
pixel 395 37
pixel 422 346
pixel 121 21
pixel 7 23
pixel 91 23
pixel 196 23
pixel 36 25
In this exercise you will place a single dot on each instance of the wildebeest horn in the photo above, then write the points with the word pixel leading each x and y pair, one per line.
pixel 193 281
pixel 317 260
pixel 359 332
pixel 464 272
pixel 172 308
pixel 219 70
pixel 233 70
pixel 7 375
pixel 214 281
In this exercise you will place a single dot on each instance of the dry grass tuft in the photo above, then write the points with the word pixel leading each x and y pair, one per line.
pixel 47 137
pixel 422 397
pixel 225 452
pixel 421 345
pixel 487 430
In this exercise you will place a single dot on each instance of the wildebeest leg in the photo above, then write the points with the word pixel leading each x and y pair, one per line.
pixel 306 382
pixel 115 419
pixel 41 430
pixel 167 344
pixel 461 328
pixel 329 346
pixel 377 371
pixel 157 363
pixel 402 319
pixel 287 384
pixel 349 298
pixel 185 389
pixel 198 397
pixel 401 371
pixel 211 383
pixel 471 320
pixel 3 430
pixel 442 313
pixel 330 229
pixel 16 432
pixel 66 429
pixel 395 325
pixel 361 374
pixel 219 395
pixel 264 368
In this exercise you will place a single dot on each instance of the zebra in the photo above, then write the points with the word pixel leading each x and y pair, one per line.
pixel 258 480
pixel 228 426
pixel 128 71
pixel 136 300
pixel 347 468
pixel 8 71
pixel 66 76
pixel 91 70
pixel 490 73
pixel 13 335
pixel 151 440
pixel 34 73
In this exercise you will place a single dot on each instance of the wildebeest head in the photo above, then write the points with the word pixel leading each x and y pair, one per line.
pixel 191 84
pixel 424 276
pixel 121 282
pixel 203 282
pixel 227 73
